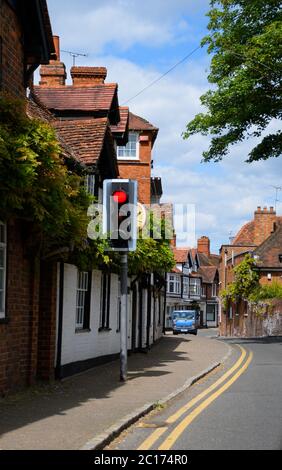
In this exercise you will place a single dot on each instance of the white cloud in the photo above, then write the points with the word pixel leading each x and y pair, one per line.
pixel 225 194
pixel 91 26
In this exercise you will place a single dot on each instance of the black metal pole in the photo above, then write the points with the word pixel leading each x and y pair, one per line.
pixel 124 318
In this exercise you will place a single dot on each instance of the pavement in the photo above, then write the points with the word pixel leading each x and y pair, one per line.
pixel 84 411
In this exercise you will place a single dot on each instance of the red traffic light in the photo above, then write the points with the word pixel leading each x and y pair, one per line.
pixel 120 197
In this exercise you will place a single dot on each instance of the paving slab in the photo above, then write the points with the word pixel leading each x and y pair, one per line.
pixel 75 413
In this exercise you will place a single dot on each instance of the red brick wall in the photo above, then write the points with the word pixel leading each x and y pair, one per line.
pixel 12 52
pixel 140 170
pixel 18 332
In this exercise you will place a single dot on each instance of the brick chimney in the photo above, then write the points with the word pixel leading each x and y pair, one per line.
pixel 173 241
pixel 88 76
pixel 54 74
pixel 204 246
pixel 264 224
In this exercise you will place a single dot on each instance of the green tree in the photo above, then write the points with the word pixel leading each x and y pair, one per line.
pixel 153 253
pixel 246 42
pixel 246 282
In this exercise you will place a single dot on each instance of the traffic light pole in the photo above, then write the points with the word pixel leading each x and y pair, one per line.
pixel 123 318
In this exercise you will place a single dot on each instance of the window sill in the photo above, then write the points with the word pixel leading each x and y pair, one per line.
pixel 104 330
pixel 4 321
pixel 86 330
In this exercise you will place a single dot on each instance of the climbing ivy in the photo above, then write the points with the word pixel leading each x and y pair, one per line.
pixel 38 185
pixel 246 282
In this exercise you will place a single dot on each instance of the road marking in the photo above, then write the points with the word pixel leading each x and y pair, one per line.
pixel 173 418
pixel 150 441
pixel 182 426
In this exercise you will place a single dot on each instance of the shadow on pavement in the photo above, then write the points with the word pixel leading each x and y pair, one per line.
pixel 44 401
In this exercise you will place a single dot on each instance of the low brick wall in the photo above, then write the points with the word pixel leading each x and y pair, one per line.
pixel 254 321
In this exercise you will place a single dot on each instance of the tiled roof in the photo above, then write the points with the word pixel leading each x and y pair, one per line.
pixel 212 260
pixel 268 252
pixel 208 273
pixel 137 123
pixel 85 136
pixel 181 254
pixel 122 126
pixel 245 236
pixel 69 98
pixel 36 111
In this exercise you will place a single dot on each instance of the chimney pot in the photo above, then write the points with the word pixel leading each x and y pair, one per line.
pixel 88 76
pixel 56 40
pixel 54 74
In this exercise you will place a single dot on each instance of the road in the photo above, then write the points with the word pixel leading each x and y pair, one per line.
pixel 237 407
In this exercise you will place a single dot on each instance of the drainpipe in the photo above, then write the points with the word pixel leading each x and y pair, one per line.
pixel 60 321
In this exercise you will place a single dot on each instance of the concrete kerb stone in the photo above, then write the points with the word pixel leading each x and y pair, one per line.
pixel 99 442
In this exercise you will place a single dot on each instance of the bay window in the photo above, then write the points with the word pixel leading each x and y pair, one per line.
pixel 173 284
pixel 195 287
pixel 185 286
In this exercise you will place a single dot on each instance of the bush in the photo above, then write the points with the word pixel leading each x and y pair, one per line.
pixel 269 291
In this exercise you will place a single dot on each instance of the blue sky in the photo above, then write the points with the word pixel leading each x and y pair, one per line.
pixel 137 42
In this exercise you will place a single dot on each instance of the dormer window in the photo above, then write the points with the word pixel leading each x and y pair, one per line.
pixel 131 150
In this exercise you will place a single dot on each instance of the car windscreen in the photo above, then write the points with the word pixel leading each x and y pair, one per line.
pixel 183 316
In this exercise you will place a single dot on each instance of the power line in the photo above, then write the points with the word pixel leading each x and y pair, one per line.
pixel 162 76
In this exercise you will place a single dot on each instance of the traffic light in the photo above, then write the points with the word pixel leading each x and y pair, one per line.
pixel 120 214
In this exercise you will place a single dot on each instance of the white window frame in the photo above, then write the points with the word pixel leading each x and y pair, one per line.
pixel 214 290
pixel 174 280
pixel 124 147
pixel 81 292
pixel 185 286
pixel 3 248
pixel 195 287
pixel 90 183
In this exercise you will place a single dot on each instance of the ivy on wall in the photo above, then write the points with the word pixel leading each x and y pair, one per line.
pixel 37 184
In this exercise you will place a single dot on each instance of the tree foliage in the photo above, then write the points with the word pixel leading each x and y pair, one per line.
pixel 36 183
pixel 246 42
pixel 246 282
pixel 153 252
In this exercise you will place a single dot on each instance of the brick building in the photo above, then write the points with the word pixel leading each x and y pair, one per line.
pixel 20 54
pixel 135 159
pixel 262 238
pixel 194 280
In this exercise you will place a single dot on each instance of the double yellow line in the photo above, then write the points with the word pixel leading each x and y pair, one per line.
pixel 180 428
